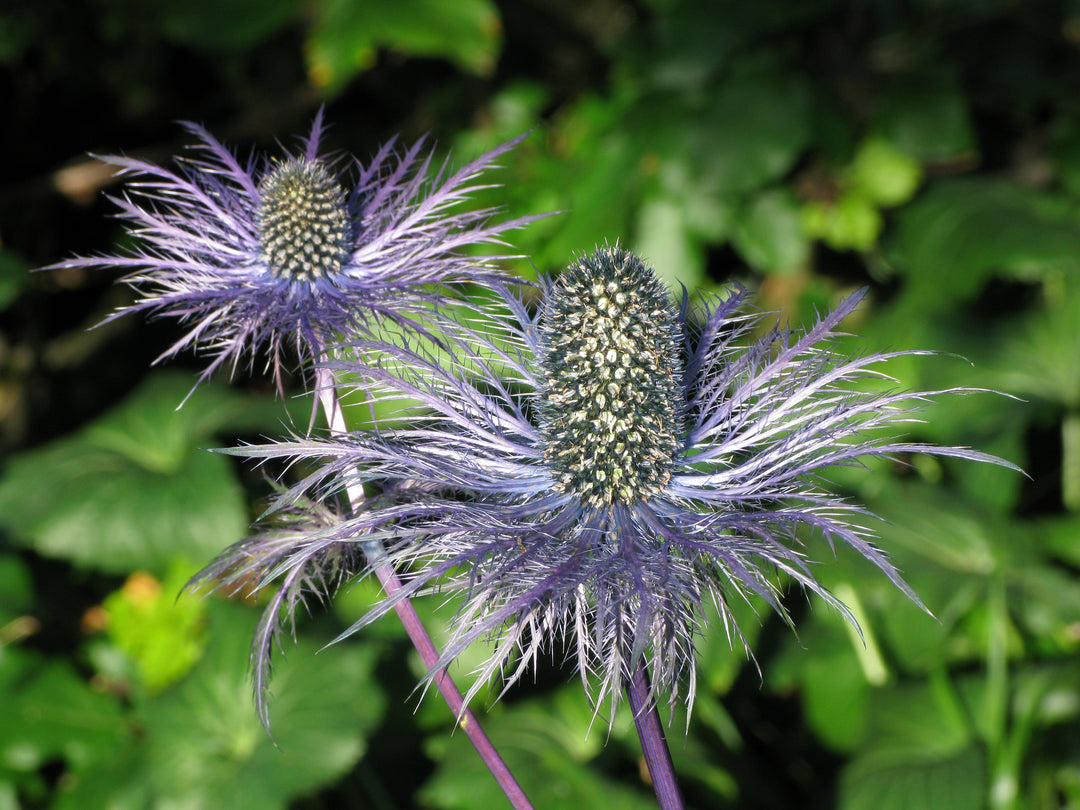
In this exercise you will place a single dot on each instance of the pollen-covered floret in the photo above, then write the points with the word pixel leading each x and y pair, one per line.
pixel 610 373
pixel 303 221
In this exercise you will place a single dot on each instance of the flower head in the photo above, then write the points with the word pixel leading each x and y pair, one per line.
pixel 601 469
pixel 294 250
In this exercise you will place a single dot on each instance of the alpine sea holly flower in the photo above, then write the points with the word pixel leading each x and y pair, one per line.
pixel 600 469
pixel 297 249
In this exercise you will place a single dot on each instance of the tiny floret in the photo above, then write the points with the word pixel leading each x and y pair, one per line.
pixel 303 221
pixel 610 372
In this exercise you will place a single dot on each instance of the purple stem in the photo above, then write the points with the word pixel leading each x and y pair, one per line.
pixel 653 744
pixel 466 720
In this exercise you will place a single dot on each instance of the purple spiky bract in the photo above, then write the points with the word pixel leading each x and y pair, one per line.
pixel 601 469
pixel 296 252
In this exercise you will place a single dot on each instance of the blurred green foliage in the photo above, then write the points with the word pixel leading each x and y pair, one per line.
pixel 928 149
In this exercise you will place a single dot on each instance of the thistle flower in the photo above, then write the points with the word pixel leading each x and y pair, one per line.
pixel 599 470
pixel 294 250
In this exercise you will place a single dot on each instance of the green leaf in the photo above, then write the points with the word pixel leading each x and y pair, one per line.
pixel 961 232
pixel 888 780
pixel 14 275
pixel 52 713
pixel 929 121
pixel 721 658
pixel 885 174
pixel 1043 358
pixel 942 528
pixel 850 222
pixel 770 235
pixel 201 744
pixel 664 240
pixel 134 489
pixel 836 693
pixel 159 627
pixel 599 171
pixel 346 35
pixel 16 591
pixel 924 719
pixel 1058 536
pixel 233 25
pixel 747 132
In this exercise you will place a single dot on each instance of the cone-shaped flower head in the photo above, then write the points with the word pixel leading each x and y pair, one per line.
pixel 301 249
pixel 598 471
pixel 610 374
pixel 304 223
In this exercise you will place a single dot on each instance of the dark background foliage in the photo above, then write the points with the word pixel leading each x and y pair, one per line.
pixel 928 149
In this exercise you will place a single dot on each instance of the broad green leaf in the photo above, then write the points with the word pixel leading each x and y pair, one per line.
pixel 924 719
pixel 720 656
pixel 664 241
pixel 1042 358
pixel 120 782
pixel 16 592
pixel 1060 536
pixel 134 489
pixel 346 36
pixel 207 742
pixel 600 174
pixel 850 222
pixel 944 529
pixel 1046 601
pixel 749 130
pixel 836 696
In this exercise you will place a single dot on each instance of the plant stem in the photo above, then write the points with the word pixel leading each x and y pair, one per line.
pixel 653 744
pixel 466 720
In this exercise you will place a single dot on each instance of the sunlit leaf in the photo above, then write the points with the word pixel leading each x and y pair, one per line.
pixel 157 626
pixel 770 234
pixel 885 174
pixel 346 35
